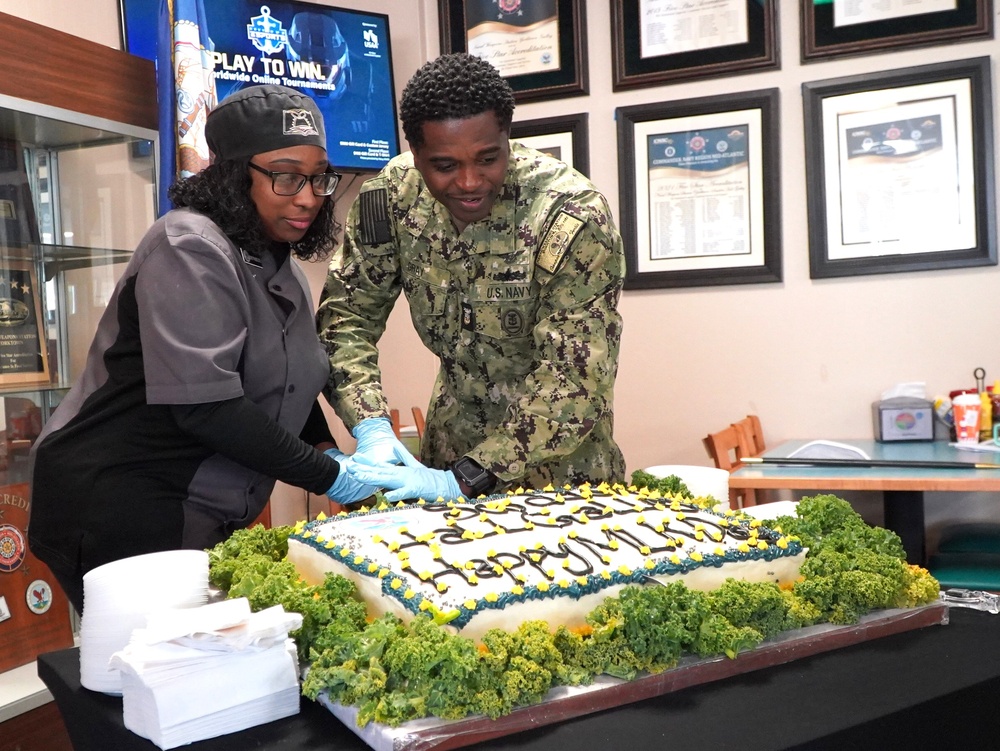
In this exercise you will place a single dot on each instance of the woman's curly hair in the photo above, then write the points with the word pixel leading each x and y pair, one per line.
pixel 221 192
pixel 453 87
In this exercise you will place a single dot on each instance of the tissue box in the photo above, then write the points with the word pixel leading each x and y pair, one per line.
pixel 903 418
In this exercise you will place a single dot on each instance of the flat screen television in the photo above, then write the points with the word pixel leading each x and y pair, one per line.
pixel 342 58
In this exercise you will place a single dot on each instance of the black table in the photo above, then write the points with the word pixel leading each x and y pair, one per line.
pixel 934 688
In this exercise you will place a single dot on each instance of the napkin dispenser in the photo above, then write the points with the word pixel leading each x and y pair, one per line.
pixel 903 418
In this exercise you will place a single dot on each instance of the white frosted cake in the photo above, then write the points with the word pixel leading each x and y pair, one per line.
pixel 549 555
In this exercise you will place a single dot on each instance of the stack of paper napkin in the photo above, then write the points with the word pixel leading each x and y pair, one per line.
pixel 202 672
pixel 117 598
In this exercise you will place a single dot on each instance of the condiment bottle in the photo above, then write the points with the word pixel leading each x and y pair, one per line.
pixel 986 415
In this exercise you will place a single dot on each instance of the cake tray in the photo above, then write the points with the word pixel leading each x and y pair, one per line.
pixel 567 702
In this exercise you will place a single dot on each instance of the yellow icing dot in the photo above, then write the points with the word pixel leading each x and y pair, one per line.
pixel 408 594
pixel 743 547
pixel 624 570
pixel 675 559
pixel 372 568
pixel 470 604
pixel 613 544
pixel 719 551
pixel 382 573
pixel 469 565
pixel 330 545
pixel 490 597
pixel 499 530
pixel 649 564
pixel 396 583
pixel 762 545
pixel 508 563
pixel 473 579
pixel 695 555
pixel 517 589
pixel 442 587
pixel 606 559
pixel 543 586
pixel 425 575
pixel 581 580
pixel 424 605
pixel 606 575
pixel 640 519
pixel 782 543
pixel 344 551
pixel 358 560
pixel 394 545
pixel 644 550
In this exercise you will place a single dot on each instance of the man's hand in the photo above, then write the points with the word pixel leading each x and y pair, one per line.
pixel 408 482
pixel 379 445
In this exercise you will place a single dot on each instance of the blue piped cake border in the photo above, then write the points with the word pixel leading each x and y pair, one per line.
pixel 594 582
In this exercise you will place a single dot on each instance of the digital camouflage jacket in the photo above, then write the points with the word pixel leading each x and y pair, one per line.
pixel 520 308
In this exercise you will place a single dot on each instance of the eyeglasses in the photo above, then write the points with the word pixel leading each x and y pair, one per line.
pixel 290 183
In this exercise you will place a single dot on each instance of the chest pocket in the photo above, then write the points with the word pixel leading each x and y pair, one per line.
pixel 503 311
pixel 426 289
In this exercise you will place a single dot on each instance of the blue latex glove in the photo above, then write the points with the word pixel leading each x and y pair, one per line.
pixel 408 482
pixel 379 445
pixel 346 488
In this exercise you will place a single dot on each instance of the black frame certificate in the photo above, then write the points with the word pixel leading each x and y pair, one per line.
pixel 537 45
pixel 901 170
pixel 23 346
pixel 699 191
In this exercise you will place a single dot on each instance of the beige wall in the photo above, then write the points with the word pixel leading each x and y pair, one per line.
pixel 807 356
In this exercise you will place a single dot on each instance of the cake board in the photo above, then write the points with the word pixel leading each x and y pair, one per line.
pixel 566 702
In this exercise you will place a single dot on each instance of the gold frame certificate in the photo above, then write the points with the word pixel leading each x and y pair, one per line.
pixel 519 37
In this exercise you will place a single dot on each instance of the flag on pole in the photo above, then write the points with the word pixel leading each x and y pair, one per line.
pixel 186 86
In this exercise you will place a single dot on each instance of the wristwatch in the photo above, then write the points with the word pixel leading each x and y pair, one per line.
pixel 473 477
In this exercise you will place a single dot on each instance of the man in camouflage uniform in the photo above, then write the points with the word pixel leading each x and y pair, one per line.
pixel 512 267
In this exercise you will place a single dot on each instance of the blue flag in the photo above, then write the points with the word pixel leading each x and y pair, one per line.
pixel 186 88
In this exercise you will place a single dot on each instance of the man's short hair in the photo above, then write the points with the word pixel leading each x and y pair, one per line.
pixel 454 87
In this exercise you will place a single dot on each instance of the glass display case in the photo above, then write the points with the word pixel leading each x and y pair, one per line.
pixel 76 195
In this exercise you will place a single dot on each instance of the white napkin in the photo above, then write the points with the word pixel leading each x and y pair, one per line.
pixel 202 672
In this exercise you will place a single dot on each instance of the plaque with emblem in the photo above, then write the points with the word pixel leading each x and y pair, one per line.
pixel 35 611
pixel 23 344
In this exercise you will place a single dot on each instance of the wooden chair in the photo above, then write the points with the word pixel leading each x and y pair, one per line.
pixel 394 419
pixel 726 448
pixel 418 421
pixel 751 434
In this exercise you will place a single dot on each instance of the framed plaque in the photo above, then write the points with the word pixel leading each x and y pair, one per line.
pixel 834 28
pixel 564 137
pixel 654 42
pixel 699 191
pixel 900 168
pixel 23 346
pixel 539 46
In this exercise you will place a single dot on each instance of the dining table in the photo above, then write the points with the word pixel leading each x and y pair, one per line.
pixel 902 471
pixel 934 687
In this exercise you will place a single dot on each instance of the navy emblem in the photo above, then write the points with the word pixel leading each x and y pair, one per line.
pixel 509 6
pixel 265 33
pixel 13 312
pixel 12 548
pixel 468 317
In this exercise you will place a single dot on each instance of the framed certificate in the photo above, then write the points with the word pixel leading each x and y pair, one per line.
pixel 661 41
pixel 564 137
pixel 23 344
pixel 833 28
pixel 699 192
pixel 901 170
pixel 539 46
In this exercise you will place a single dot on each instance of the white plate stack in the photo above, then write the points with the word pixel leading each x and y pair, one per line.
pixel 118 597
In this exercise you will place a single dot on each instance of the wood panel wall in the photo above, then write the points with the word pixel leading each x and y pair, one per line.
pixel 51 67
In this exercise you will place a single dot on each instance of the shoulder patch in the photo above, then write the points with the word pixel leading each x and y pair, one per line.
pixel 373 213
pixel 557 241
